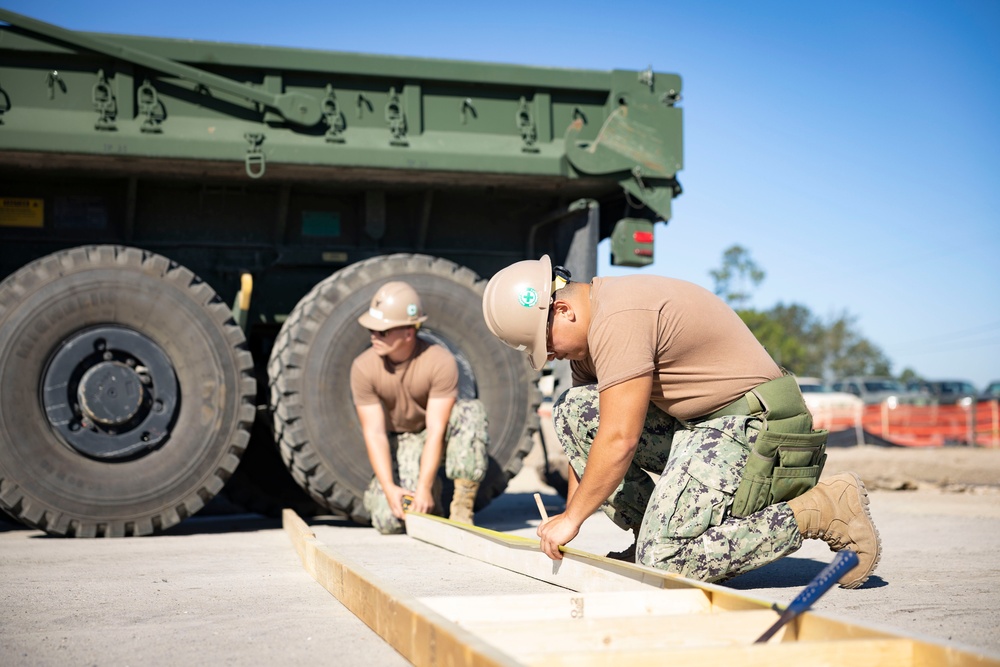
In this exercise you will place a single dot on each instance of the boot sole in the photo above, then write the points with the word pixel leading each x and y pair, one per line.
pixel 863 495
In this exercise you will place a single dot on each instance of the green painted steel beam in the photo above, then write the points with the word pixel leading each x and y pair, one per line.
pixel 294 107
pixel 368 65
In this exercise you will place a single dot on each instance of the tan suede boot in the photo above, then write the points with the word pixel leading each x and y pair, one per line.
pixel 836 511
pixel 463 501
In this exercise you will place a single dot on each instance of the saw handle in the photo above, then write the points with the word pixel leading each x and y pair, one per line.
pixel 842 563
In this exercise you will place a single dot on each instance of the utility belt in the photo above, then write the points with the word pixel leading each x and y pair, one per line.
pixel 788 457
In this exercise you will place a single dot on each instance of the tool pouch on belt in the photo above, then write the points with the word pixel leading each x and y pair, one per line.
pixel 788 457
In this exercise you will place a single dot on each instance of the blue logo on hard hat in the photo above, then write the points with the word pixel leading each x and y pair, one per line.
pixel 411 310
pixel 527 297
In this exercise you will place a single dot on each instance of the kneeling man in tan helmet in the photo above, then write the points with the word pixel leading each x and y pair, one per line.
pixel 405 391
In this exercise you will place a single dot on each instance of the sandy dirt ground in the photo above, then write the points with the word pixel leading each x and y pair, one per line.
pixel 972 470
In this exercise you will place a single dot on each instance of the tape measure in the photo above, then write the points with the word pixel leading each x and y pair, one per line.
pixel 407 501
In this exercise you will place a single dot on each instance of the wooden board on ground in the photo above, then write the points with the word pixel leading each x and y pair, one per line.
pixel 611 613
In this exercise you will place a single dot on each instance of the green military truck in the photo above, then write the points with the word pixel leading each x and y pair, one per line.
pixel 188 232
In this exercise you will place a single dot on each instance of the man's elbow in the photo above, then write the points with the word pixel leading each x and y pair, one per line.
pixel 624 444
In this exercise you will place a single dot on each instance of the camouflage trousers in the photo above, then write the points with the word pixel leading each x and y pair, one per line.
pixel 465 457
pixel 682 520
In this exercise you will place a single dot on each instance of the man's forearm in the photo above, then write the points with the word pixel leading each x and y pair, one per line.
pixel 380 459
pixel 572 481
pixel 606 467
pixel 430 460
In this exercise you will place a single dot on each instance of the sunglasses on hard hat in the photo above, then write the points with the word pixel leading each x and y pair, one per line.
pixel 383 334
pixel 560 276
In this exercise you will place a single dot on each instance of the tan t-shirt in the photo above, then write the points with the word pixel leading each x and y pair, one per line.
pixel 403 389
pixel 703 357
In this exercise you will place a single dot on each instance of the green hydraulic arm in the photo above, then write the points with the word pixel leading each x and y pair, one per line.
pixel 295 108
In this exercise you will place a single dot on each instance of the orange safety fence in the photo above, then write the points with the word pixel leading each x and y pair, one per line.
pixel 837 418
pixel 934 425
pixel 987 429
pixel 929 425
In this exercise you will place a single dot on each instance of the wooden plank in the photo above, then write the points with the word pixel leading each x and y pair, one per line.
pixel 523 640
pixel 554 606
pixel 854 653
pixel 816 627
pixel 927 651
pixel 577 571
pixel 420 634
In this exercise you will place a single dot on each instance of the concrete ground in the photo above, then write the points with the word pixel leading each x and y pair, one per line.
pixel 230 589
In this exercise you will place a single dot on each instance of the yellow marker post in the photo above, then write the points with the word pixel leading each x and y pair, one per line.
pixel 242 304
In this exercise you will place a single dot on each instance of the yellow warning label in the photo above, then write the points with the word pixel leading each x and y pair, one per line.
pixel 22 212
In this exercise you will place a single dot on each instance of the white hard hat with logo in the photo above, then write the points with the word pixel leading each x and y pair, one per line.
pixel 516 305
pixel 396 304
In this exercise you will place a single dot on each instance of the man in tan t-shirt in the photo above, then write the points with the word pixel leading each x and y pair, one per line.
pixel 406 395
pixel 668 380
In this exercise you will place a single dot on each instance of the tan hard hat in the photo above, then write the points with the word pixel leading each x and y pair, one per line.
pixel 516 307
pixel 396 304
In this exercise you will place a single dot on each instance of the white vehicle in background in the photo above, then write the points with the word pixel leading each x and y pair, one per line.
pixel 836 411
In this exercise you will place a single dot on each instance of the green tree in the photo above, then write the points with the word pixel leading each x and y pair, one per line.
pixel 792 336
pixel 737 276
pixel 846 352
pixel 784 346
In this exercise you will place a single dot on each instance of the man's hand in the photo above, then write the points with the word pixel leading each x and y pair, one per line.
pixel 394 494
pixel 423 502
pixel 556 532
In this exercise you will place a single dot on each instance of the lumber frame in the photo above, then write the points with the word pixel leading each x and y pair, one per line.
pixel 570 605
pixel 577 571
pixel 660 618
pixel 416 631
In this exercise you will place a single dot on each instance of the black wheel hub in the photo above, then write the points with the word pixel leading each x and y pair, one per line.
pixel 111 393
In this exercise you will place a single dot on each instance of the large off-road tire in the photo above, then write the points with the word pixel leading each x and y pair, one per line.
pixel 315 420
pixel 262 484
pixel 127 393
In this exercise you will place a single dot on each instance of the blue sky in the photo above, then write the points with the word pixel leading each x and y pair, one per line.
pixel 851 147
